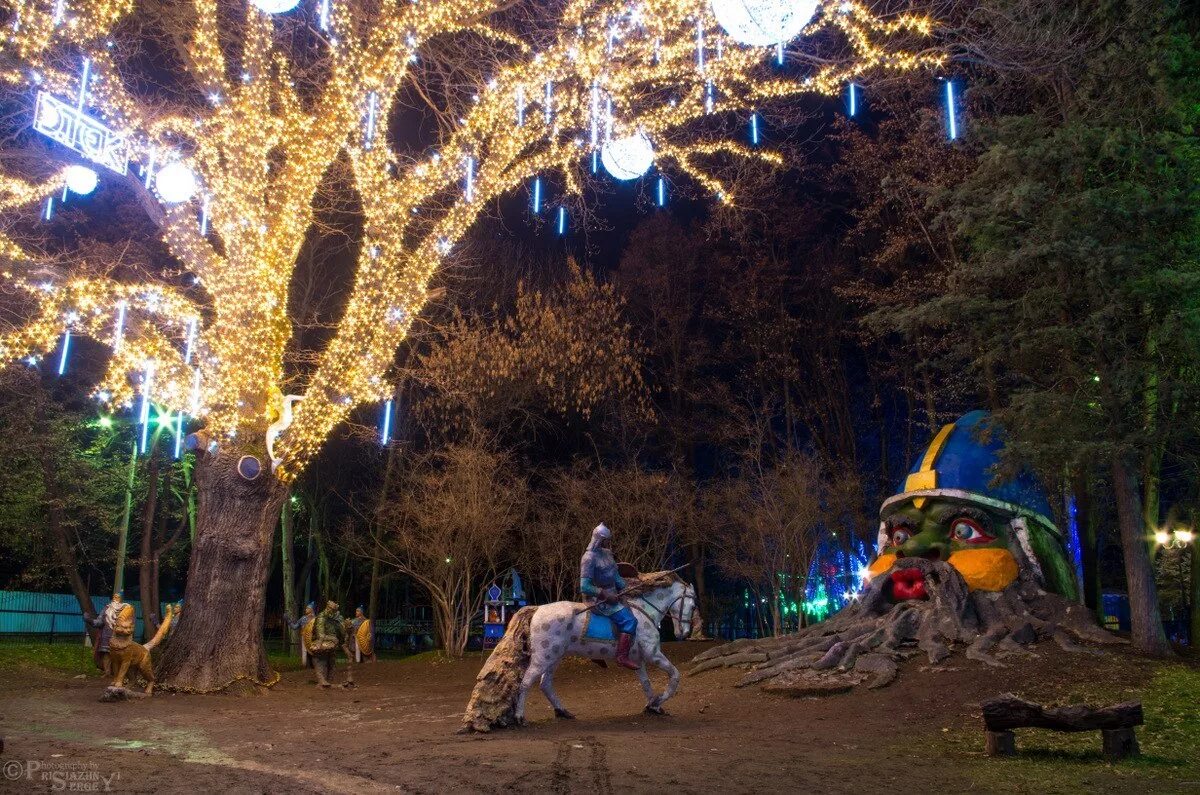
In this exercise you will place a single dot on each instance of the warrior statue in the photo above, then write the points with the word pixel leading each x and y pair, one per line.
pixel 362 636
pixel 329 635
pixel 105 622
pixel 304 625
pixel 601 585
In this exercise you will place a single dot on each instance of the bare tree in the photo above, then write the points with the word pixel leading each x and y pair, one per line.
pixel 449 527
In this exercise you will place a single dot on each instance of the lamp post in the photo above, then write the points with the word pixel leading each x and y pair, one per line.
pixel 1180 538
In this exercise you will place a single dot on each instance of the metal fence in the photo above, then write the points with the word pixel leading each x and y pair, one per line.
pixel 49 617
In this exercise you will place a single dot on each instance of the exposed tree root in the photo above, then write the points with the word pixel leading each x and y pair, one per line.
pixel 863 643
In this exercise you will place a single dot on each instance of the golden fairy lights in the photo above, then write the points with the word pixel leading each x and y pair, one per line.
pixel 268 134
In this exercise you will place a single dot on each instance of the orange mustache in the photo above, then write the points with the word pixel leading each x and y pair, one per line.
pixel 988 569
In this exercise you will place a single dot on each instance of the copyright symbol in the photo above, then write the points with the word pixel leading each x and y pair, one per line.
pixel 13 770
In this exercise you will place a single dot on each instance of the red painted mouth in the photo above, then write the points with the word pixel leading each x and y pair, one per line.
pixel 908 584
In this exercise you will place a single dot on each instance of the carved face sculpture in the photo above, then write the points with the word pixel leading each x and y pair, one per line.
pixel 974 540
pixel 952 509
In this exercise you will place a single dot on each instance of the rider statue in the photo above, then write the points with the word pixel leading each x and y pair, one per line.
pixel 104 622
pixel 601 585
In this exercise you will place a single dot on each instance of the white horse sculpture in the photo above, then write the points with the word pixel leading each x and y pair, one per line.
pixel 538 638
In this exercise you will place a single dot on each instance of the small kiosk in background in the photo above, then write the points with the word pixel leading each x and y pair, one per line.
pixel 499 606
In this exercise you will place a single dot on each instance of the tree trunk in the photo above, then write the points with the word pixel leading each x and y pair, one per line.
pixel 1195 600
pixel 63 549
pixel 373 596
pixel 1148 635
pixel 145 559
pixel 123 533
pixel 219 641
pixel 1089 542
pixel 287 558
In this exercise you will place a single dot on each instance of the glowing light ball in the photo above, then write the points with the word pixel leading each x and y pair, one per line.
pixel 175 183
pixel 275 6
pixel 81 180
pixel 629 157
pixel 760 23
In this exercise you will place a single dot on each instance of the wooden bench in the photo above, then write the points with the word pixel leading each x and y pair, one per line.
pixel 1007 712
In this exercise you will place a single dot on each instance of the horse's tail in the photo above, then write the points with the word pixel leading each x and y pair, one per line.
pixel 493 702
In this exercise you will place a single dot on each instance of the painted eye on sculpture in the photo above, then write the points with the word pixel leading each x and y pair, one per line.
pixel 969 531
pixel 900 536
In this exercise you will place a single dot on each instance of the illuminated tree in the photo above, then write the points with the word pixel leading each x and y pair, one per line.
pixel 269 113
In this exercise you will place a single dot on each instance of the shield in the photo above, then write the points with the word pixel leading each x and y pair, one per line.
pixel 306 636
pixel 365 638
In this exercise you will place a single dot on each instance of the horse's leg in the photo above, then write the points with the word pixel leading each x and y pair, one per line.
pixel 548 688
pixel 660 659
pixel 647 688
pixel 532 675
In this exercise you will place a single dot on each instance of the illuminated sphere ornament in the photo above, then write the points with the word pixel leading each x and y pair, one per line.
pixel 629 157
pixel 275 6
pixel 761 23
pixel 249 467
pixel 81 180
pixel 175 183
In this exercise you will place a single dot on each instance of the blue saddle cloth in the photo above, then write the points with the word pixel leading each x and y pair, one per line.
pixel 599 628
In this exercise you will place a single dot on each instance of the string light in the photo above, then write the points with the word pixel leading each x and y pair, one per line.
pixel 263 153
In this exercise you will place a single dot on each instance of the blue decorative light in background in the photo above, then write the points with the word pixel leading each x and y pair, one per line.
pixel 662 192
pixel 562 220
pixel 754 128
pixel 836 574
pixel 1074 547
pixel 537 195
pixel 853 100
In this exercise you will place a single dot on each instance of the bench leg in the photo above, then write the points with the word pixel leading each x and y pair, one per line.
pixel 1119 743
pixel 1000 743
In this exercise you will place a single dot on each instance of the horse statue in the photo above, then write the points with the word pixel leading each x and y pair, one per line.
pixel 539 637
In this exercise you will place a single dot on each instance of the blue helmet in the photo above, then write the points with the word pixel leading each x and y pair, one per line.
pixel 959 464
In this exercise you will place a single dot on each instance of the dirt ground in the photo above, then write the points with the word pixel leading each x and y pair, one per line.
pixel 396 732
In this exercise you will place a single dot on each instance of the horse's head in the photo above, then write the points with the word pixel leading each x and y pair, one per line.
pixel 685 612
pixel 674 597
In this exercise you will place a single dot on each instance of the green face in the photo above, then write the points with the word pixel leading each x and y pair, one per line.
pixel 941 527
